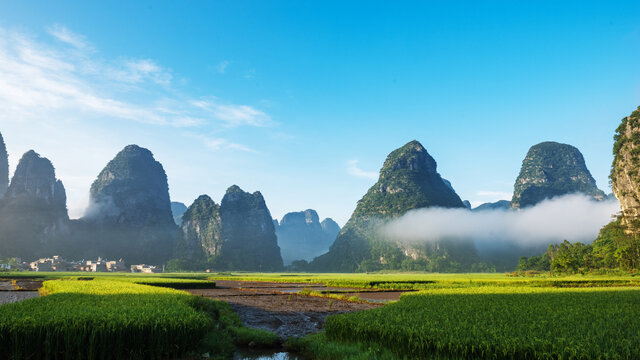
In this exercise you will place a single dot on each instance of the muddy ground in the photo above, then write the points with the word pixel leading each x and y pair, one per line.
pixel 271 306
pixel 276 306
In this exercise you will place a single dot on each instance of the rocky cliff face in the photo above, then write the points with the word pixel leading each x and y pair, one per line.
pixel 177 209
pixel 239 234
pixel 625 171
pixel 248 234
pixel 200 235
pixel 33 213
pixel 4 168
pixel 130 209
pixel 552 169
pixel 132 189
pixel 408 180
pixel 301 236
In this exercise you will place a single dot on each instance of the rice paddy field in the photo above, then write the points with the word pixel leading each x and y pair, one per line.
pixel 442 316
pixel 119 317
pixel 480 316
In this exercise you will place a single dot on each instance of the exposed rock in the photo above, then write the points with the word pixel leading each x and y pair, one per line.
pixel 625 175
pixel 132 189
pixel 130 209
pixel 408 180
pixel 301 236
pixel 201 230
pixel 552 169
pixel 4 168
pixel 498 205
pixel 239 234
pixel 248 235
pixel 177 209
pixel 33 213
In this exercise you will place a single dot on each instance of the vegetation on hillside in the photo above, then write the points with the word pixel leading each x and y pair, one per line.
pixel 408 180
pixel 552 169
pixel 620 140
pixel 613 249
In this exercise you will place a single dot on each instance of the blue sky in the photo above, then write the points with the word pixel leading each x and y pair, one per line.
pixel 304 100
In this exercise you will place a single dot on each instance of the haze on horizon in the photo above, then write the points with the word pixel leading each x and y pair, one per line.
pixel 303 101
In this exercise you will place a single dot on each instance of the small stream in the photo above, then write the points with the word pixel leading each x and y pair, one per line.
pixel 264 355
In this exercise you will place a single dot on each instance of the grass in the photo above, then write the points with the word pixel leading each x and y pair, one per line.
pixel 452 316
pixel 113 318
pixel 501 322
pixel 101 319
pixel 478 316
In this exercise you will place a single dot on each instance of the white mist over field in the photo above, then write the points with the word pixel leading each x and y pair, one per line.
pixel 571 217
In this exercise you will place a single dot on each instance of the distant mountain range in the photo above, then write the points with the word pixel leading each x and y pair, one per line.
pixel 301 235
pixel 131 216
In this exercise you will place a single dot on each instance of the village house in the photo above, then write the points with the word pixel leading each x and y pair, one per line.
pixel 55 263
pixel 143 268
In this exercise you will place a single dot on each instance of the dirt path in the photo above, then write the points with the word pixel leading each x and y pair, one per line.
pixel 277 308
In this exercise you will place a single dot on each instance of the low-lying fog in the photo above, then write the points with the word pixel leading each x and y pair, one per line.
pixel 571 217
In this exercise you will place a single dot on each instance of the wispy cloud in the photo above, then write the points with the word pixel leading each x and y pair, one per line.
pixel 222 66
pixel 139 70
pixel 45 80
pixel 65 35
pixel 217 143
pixel 354 170
pixel 234 115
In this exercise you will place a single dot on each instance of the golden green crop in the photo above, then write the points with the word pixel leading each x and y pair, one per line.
pixel 96 319
pixel 501 322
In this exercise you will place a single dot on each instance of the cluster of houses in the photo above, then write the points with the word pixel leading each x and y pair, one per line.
pixel 57 263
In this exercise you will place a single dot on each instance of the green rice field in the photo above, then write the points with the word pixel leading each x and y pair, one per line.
pixel 442 316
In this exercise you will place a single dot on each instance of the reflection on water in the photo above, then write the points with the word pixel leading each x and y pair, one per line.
pixel 262 355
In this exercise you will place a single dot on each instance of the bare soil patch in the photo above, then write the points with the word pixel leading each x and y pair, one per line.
pixel 277 308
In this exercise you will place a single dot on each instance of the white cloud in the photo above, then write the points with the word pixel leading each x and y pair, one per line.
pixel 42 81
pixel 234 115
pixel 354 169
pixel 572 217
pixel 215 143
pixel 222 66
pixel 139 70
pixel 65 35
pixel 59 96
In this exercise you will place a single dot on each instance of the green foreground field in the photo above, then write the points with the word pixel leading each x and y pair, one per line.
pixel 479 316
pixel 121 317
pixel 448 316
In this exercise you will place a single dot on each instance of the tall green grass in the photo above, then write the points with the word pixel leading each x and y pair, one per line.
pixel 501 322
pixel 101 319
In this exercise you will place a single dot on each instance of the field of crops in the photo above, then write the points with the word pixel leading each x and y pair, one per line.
pixel 451 316
pixel 101 319
pixel 501 322
pixel 423 281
